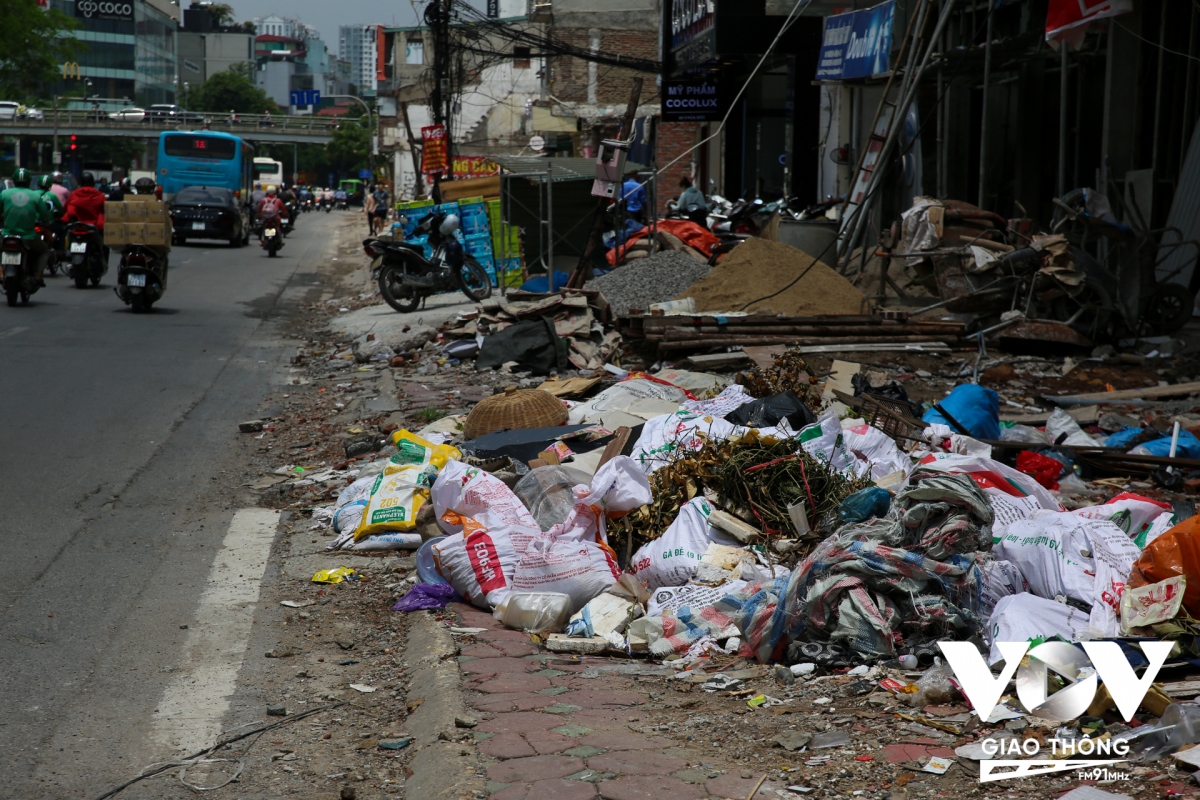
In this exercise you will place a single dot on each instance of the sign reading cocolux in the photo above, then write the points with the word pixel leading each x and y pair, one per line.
pixel 112 10
pixel 691 100
pixel 857 44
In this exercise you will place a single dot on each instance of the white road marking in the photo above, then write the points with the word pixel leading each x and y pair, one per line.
pixel 12 332
pixel 189 715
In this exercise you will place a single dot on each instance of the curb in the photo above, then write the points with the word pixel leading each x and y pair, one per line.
pixel 441 768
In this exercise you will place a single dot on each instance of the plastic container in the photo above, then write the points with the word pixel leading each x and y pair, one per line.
pixel 1179 727
pixel 546 492
pixel 534 611
pixel 426 568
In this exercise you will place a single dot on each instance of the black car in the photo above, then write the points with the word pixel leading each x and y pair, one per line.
pixel 209 212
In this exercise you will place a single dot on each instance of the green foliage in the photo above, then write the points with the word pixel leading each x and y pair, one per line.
pixel 350 146
pixel 231 90
pixel 222 14
pixel 34 44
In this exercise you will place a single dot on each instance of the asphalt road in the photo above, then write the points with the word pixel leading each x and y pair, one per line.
pixel 118 480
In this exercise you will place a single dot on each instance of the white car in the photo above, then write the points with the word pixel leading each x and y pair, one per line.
pixel 34 113
pixel 128 115
pixel 12 110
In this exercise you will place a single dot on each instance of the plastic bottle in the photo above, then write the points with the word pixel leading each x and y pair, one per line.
pixel 1179 727
pixel 535 611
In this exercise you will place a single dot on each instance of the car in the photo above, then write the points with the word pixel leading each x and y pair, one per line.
pixel 10 109
pixel 163 111
pixel 34 113
pixel 131 114
pixel 191 117
pixel 209 212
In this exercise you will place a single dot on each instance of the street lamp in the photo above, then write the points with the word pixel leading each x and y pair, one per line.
pixel 361 102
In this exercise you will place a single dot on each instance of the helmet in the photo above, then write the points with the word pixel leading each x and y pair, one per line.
pixel 144 186
pixel 449 225
pixel 271 189
pixel 57 177
pixel 22 177
pixel 87 179
pixel 45 182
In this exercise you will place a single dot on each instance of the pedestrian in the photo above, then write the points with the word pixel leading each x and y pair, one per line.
pixel 379 217
pixel 369 207
pixel 633 195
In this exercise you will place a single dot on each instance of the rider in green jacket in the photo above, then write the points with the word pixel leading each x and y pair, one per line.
pixel 22 209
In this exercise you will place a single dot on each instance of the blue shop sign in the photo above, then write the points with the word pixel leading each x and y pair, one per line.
pixel 857 44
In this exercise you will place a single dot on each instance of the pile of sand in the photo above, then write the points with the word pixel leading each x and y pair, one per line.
pixel 757 267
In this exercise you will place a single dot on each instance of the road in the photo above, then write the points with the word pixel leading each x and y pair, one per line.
pixel 120 483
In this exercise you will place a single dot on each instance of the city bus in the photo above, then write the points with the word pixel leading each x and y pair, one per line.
pixel 204 158
pixel 268 172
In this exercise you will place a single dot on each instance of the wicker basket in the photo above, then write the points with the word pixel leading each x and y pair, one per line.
pixel 515 409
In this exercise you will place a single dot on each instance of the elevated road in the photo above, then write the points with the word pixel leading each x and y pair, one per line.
pixel 251 127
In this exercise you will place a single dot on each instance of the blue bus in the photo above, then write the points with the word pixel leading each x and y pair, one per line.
pixel 205 158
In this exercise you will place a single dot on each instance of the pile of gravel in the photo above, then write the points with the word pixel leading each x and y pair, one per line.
pixel 656 279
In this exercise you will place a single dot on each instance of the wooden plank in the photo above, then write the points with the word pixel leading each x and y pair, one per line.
pixel 1084 415
pixel 841 375
pixel 488 188
pixel 764 356
pixel 1148 393
pixel 718 360
pixel 614 447
pixel 569 387
pixel 877 347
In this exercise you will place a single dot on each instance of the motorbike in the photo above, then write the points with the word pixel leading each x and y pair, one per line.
pixel 306 205
pixel 18 269
pixel 693 213
pixel 343 204
pixel 55 238
pixel 86 251
pixel 406 277
pixel 272 236
pixel 327 205
pixel 141 277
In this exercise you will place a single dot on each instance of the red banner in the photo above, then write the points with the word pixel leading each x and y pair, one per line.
pixel 435 154
pixel 474 167
pixel 1067 20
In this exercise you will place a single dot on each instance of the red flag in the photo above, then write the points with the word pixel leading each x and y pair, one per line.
pixel 1067 20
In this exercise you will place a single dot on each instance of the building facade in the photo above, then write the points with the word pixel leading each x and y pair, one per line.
pixel 131 58
pixel 358 44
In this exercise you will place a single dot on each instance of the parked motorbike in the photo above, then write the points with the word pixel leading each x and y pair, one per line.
pixel 86 251
pixel 141 277
pixel 406 277
pixel 19 271
pixel 693 213
pixel 272 237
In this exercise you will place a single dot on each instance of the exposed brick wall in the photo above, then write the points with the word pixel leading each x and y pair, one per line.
pixel 674 138
pixel 569 76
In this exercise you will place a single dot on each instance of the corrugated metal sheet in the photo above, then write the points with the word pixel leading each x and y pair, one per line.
pixel 1185 215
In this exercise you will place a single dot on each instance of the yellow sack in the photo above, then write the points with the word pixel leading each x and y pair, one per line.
pixel 403 488
pixel 335 575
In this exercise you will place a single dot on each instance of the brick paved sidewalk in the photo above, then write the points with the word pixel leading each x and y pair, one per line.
pixel 548 734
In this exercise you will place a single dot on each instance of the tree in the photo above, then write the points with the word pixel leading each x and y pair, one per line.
pixel 350 145
pixel 34 44
pixel 231 90
pixel 221 14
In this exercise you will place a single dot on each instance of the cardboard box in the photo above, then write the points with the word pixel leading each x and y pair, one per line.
pixel 156 234
pixel 114 232
pixel 114 212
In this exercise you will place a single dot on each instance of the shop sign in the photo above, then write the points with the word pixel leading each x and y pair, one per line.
pixel 857 44
pixel 474 167
pixel 692 100
pixel 434 153
pixel 693 32
pixel 113 10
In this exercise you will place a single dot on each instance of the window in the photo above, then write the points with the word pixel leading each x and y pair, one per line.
pixel 202 195
pixel 521 57
pixel 414 52
pixel 200 147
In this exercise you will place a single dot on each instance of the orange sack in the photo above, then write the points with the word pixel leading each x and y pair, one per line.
pixel 1176 552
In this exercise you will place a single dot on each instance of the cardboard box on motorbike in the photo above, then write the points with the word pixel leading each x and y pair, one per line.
pixel 140 219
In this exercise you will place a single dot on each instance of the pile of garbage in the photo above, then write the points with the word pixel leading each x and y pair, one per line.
pixel 679 515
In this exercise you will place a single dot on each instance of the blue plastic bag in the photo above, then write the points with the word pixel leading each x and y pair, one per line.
pixel 1121 438
pixel 540 283
pixel 1189 446
pixel 865 504
pixel 975 408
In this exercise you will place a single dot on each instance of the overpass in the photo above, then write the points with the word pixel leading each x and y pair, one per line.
pixel 251 127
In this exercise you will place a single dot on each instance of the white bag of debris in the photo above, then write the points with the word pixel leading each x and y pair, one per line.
pixel 630 403
pixel 479 563
pixel 824 441
pixel 1024 617
pixel 1062 425
pixel 1143 519
pixel 1013 495
pixel 876 450
pixel 666 436
pixel 579 569
pixel 998 579
pixel 616 489
pixel 473 492
pixel 673 558
pixel 1063 555
pixel 359 490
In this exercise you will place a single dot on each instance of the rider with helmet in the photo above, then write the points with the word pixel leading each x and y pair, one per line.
pixel 23 209
pixel 60 191
pixel 86 205
pixel 270 209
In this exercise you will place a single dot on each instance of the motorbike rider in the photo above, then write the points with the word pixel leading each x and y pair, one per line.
pixel 270 210
pixel 23 208
pixel 633 194
pixel 305 194
pixel 60 191
pixel 58 229
pixel 379 208
pixel 86 205
pixel 327 196
pixel 289 202
pixel 341 196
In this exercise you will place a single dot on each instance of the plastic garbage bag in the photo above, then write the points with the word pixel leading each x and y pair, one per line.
pixel 823 440
pixel 1062 428
pixel 673 558
pixel 578 569
pixel 975 408
pixel 1151 604
pixel 934 688
pixel 1189 446
pixel 534 611
pixel 616 489
pixel 1176 552
pixel 629 402
pixel 400 491
pixel 665 436
pixel 426 565
pixel 348 517
pixel 1043 469
pixel 1013 494
pixel 1123 437
pixel 1015 432
pixel 998 579
pixel 478 562
pixel 473 492
pixel 865 504
pixel 1063 555
pixel 770 411
pixel 1025 617
pixel 359 490
pixel 876 449
pixel 547 493
pixel 425 596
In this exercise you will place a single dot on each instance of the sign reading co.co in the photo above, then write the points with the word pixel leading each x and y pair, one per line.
pixel 114 10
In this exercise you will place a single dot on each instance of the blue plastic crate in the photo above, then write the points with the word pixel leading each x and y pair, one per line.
pixel 474 219
pixel 478 244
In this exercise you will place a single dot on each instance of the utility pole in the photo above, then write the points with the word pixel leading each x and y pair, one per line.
pixel 583 272
pixel 419 188
pixel 437 16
